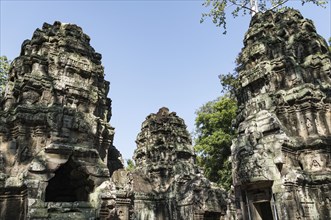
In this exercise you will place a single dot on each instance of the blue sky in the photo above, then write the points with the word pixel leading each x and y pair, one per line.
pixel 155 53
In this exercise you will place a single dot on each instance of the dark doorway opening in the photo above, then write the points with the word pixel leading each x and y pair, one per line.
pixel 264 210
pixel 69 184
pixel 211 216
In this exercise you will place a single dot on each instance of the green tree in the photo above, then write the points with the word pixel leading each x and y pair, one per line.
pixel 130 165
pixel 229 83
pixel 213 138
pixel 219 8
pixel 4 70
pixel 330 44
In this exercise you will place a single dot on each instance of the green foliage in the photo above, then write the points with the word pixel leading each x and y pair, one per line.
pixel 330 44
pixel 219 7
pixel 230 83
pixel 4 70
pixel 130 165
pixel 214 135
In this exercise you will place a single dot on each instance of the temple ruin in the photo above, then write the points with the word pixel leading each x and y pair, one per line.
pixel 166 182
pixel 57 159
pixel 56 150
pixel 281 157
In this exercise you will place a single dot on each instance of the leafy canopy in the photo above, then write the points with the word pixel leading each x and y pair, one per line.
pixel 214 135
pixel 130 165
pixel 219 8
pixel 229 83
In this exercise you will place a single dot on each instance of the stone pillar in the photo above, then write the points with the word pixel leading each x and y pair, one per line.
pixel 123 207
pixel 13 203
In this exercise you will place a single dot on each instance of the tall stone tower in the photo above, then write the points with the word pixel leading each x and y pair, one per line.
pixel 56 145
pixel 166 183
pixel 281 157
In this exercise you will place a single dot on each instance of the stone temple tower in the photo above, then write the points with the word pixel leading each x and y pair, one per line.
pixel 281 156
pixel 56 151
pixel 166 182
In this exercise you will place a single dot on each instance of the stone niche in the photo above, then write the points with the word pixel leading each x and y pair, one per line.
pixel 281 156
pixel 56 151
pixel 166 183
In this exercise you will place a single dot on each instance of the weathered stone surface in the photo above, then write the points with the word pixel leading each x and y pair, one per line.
pixel 166 183
pixel 57 156
pixel 281 157
pixel 55 139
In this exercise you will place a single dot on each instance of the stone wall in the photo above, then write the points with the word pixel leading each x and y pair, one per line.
pixel 55 139
pixel 281 157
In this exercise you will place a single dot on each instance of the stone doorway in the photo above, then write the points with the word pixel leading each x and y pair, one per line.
pixel 262 211
pixel 258 202
pixel 70 183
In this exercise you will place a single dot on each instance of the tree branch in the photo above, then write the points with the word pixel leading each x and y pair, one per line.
pixel 243 5
pixel 279 4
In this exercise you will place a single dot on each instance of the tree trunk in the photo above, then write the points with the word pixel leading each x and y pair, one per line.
pixel 254 7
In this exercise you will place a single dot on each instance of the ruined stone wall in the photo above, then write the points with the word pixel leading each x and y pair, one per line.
pixel 55 139
pixel 281 157
pixel 166 182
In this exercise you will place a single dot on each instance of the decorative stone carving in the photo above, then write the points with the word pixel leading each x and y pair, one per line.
pixel 166 182
pixel 56 146
pixel 281 156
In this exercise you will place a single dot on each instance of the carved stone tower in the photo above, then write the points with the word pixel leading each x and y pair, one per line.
pixel 166 183
pixel 281 157
pixel 55 139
